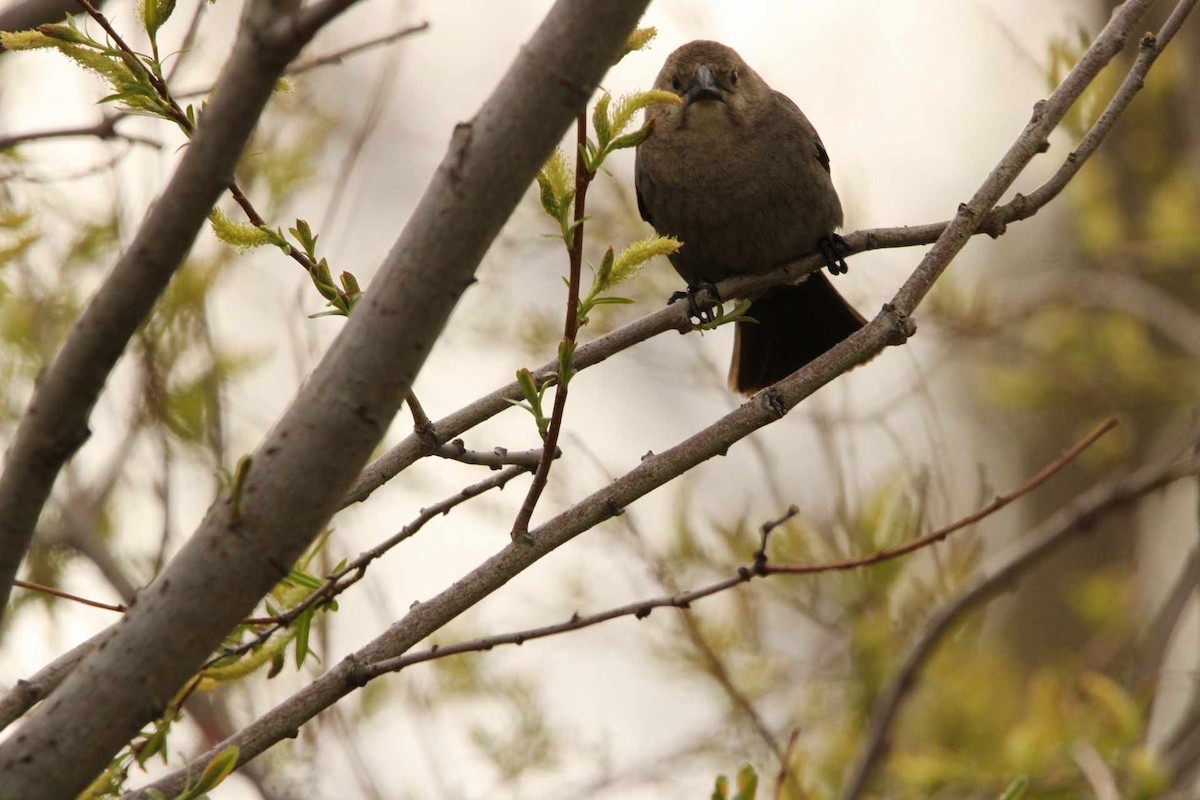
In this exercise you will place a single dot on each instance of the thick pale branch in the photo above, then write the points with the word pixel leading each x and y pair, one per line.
pixel 27 14
pixel 307 462
pixel 55 424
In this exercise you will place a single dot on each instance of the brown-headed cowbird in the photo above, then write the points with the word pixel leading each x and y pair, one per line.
pixel 739 175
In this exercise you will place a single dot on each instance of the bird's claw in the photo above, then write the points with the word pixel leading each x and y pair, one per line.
pixel 835 248
pixel 695 312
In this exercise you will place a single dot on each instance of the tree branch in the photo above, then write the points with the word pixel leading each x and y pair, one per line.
pixel 339 56
pixel 55 423
pixel 354 571
pixel 103 130
pixel 359 668
pixel 674 317
pixel 307 462
pixel 498 458
pixel 1075 519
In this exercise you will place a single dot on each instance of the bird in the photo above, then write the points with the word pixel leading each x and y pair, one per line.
pixel 738 174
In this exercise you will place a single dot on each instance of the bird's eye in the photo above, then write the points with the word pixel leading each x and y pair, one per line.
pixel 733 78
pixel 675 84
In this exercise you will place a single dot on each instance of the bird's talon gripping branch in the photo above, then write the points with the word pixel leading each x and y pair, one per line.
pixel 834 248
pixel 701 316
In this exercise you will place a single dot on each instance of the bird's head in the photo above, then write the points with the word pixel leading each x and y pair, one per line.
pixel 717 87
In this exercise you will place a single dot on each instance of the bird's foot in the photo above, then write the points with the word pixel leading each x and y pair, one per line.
pixel 704 315
pixel 835 249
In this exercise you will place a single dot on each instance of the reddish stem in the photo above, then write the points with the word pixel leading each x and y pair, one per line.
pixel 583 177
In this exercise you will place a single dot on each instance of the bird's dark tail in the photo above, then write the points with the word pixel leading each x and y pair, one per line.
pixel 795 325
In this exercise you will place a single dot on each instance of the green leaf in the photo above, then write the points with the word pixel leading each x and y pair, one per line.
pixel 612 301
pixel 153 745
pixel 547 196
pixel 302 578
pixel 528 385
pixel 600 121
pixel 238 489
pixel 304 235
pixel 604 274
pixel 747 783
pixel 150 20
pixel 721 788
pixel 351 288
pixel 277 664
pixel 325 285
pixel 1016 789
pixel 214 774
pixel 165 9
pixel 566 356
pixel 633 139
pixel 64 33
pixel 303 627
pixel 639 39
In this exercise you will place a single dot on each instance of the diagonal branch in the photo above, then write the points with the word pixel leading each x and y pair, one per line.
pixel 891 326
pixel 673 317
pixel 583 179
pixel 55 424
pixel 297 477
pixel 359 668
pixel 1075 519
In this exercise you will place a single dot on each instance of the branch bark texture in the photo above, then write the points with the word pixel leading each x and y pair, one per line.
pixel 303 469
pixel 55 423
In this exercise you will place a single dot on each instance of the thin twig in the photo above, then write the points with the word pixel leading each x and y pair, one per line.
pixel 583 178
pixel 941 533
pixel 785 764
pixel 1151 650
pixel 714 663
pixel 497 459
pixel 385 78
pixel 759 568
pixel 339 56
pixel 331 58
pixel 37 587
pixel 104 130
pixel 354 571
pixel 181 119
pixel 1074 519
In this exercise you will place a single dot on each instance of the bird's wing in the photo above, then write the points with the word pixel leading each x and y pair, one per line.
pixel 637 185
pixel 792 110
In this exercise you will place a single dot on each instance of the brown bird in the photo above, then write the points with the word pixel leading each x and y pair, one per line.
pixel 739 175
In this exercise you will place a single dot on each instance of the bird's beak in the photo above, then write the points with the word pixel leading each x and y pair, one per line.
pixel 705 87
